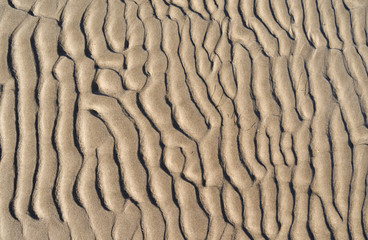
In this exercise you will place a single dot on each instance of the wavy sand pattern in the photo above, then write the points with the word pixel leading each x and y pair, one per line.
pixel 183 119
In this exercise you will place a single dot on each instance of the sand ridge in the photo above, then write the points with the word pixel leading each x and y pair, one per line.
pixel 183 119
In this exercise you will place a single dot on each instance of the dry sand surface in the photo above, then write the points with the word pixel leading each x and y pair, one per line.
pixel 183 119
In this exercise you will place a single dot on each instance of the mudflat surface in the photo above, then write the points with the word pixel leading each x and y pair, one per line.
pixel 183 119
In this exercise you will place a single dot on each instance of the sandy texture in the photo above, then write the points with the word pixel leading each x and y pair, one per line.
pixel 183 119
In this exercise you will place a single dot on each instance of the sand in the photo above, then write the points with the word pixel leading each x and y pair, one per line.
pixel 183 119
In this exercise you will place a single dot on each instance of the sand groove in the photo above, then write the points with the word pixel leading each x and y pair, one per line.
pixel 183 119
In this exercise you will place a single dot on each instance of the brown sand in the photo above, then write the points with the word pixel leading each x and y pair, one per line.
pixel 183 119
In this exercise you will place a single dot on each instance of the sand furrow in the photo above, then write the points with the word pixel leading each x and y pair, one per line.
pixel 25 67
pixel 320 145
pixel 115 25
pixel 93 21
pixel 45 206
pixel 10 227
pixel 68 155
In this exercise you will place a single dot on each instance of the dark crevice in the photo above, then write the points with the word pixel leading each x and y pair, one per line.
pixel 98 184
pixel 16 111
pixel 55 148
